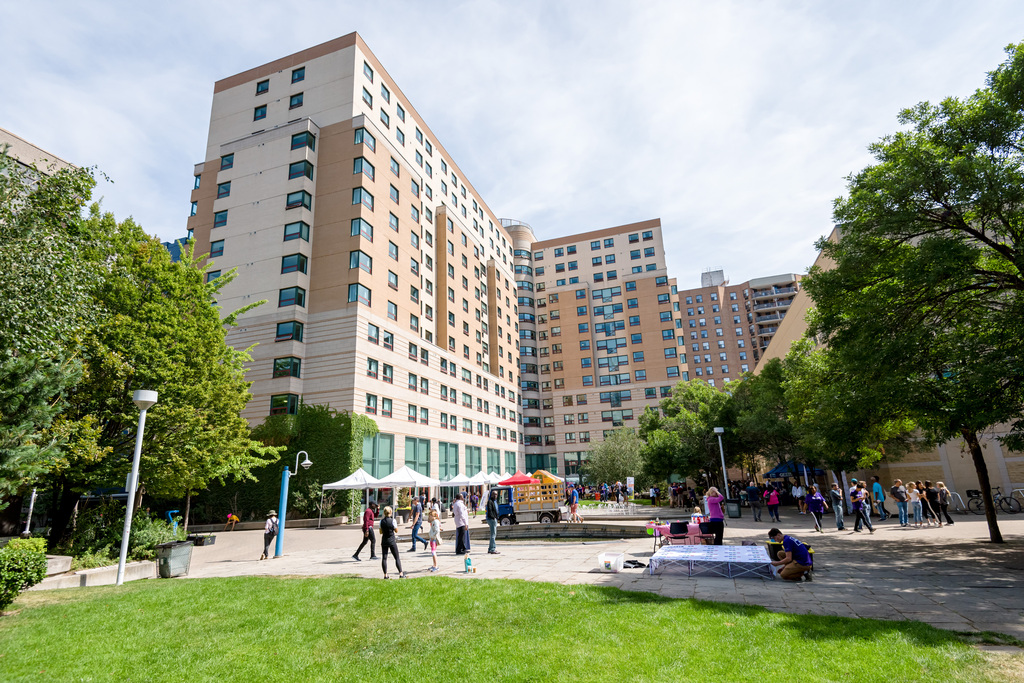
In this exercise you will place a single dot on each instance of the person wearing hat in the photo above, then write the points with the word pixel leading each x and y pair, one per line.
pixel 269 533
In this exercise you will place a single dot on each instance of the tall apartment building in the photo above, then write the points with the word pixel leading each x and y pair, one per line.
pixel 389 282
pixel 728 327
pixel 598 334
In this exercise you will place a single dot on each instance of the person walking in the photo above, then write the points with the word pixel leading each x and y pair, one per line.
pixel 879 495
pixel 796 563
pixel 461 518
pixel 435 535
pixel 816 505
pixel 860 498
pixel 716 520
pixel 799 494
pixel 931 503
pixel 836 496
pixel 754 499
pixel 772 496
pixel 417 523
pixel 899 494
pixel 916 508
pixel 389 543
pixel 944 500
pixel 368 535
pixel 270 530
pixel 474 502
pixel 492 522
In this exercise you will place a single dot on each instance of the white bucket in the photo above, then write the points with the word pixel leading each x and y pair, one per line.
pixel 610 562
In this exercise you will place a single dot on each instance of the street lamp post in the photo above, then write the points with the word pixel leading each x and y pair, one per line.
pixel 725 477
pixel 145 400
pixel 283 503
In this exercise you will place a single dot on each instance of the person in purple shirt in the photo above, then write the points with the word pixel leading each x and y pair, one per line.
pixel 796 562
pixel 860 497
pixel 716 520
pixel 816 505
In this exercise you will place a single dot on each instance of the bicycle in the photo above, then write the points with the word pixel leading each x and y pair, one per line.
pixel 1007 504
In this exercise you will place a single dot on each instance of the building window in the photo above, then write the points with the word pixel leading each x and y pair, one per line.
pixel 295 101
pixel 400 136
pixel 394 194
pixel 195 208
pixel 361 165
pixel 259 112
pixel 367 97
pixel 287 367
pixel 307 139
pixel 293 263
pixel 220 219
pixel 284 404
pixel 291 296
pixel 262 87
pixel 298 199
pixel 224 190
pixel 361 196
pixel 300 169
pixel 212 275
pixel 361 228
pixel 385 93
pixel 289 331
pixel 358 292
pixel 216 248
pixel 298 74
pixel 392 310
pixel 227 161
pixel 362 136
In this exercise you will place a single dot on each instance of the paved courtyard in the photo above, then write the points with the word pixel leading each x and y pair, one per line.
pixel 950 577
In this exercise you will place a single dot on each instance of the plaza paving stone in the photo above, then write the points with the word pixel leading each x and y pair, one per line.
pixel 950 577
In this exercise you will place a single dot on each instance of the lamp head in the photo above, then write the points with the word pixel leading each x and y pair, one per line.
pixel 144 399
pixel 307 462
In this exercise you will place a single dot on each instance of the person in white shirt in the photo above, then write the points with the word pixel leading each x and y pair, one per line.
pixel 799 493
pixel 461 517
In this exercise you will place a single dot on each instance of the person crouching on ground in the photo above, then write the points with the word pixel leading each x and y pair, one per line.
pixel 797 560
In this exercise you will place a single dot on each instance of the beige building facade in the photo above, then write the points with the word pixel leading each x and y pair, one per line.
pixel 388 281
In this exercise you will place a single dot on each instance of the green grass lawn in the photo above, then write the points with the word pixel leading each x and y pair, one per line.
pixel 444 629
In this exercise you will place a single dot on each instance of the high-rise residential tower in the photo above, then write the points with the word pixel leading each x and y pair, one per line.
pixel 388 281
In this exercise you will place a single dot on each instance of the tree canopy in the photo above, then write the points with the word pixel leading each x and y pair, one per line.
pixel 923 309
pixel 616 458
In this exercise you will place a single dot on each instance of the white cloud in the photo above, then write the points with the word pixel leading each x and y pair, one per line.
pixel 734 122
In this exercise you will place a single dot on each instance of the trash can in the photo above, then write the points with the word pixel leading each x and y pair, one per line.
pixel 733 509
pixel 174 558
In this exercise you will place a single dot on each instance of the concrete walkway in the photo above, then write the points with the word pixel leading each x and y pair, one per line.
pixel 950 577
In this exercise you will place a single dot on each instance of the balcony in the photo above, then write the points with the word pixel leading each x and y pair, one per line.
pixel 773 291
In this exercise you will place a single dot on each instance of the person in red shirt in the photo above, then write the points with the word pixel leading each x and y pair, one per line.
pixel 368 534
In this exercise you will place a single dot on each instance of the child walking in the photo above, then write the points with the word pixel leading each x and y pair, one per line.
pixel 434 535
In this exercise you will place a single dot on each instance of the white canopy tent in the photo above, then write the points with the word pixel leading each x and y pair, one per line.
pixel 360 479
pixel 479 479
pixel 457 480
pixel 495 477
pixel 407 477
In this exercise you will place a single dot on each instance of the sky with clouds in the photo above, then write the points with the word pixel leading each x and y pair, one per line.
pixel 734 122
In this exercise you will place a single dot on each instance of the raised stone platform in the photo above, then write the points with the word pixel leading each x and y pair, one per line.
pixel 100 576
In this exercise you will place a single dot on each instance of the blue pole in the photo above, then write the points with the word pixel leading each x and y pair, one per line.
pixel 282 510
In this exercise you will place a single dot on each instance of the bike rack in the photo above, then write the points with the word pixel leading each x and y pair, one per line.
pixel 961 508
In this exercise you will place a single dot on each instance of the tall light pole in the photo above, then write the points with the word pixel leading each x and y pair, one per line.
pixel 283 506
pixel 145 400
pixel 725 477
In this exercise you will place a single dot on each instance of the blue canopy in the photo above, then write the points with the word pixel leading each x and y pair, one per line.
pixel 791 468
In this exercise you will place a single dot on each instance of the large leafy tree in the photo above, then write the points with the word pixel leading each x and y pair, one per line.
pixel 836 424
pixel 47 272
pixel 617 457
pixel 680 439
pixel 924 308
pixel 157 328
pixel 761 414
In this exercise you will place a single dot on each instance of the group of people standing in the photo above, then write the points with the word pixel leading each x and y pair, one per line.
pixel 918 503
pixel 432 513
